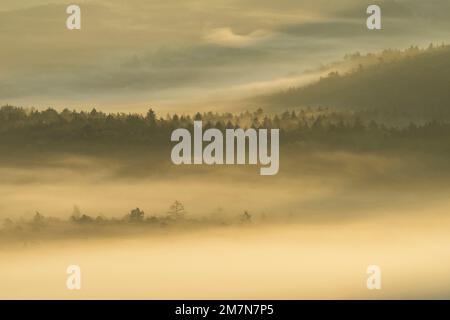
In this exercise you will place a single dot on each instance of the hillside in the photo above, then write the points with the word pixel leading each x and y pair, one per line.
pixel 414 80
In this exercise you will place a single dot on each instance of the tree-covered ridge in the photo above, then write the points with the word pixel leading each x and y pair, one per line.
pixel 79 131
pixel 413 80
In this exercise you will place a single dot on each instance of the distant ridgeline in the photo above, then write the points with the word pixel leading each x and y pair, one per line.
pixel 411 83
pixel 50 130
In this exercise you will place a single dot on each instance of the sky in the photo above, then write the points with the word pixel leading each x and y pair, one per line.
pixel 188 55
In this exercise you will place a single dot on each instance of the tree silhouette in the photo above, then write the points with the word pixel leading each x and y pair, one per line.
pixel 84 219
pixel 246 217
pixel 176 210
pixel 38 219
pixel 136 215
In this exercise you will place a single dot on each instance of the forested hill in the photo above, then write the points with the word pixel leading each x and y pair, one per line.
pixel 413 80
pixel 29 132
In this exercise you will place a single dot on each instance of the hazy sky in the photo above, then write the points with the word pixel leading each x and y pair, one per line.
pixel 132 54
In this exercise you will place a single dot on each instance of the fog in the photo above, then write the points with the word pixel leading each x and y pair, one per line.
pixel 314 186
pixel 290 262
pixel 314 231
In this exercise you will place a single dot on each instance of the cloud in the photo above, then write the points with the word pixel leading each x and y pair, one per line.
pixel 227 38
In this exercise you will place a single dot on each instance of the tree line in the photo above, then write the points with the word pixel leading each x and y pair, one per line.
pixel 53 130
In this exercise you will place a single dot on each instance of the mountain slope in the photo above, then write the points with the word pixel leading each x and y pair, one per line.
pixel 414 80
